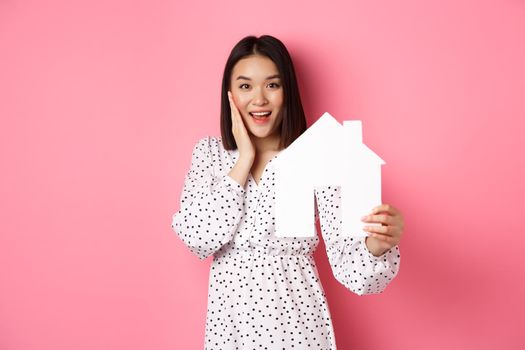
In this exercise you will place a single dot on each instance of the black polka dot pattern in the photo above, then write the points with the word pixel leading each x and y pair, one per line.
pixel 264 291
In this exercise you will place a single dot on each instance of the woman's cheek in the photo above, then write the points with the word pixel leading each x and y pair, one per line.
pixel 245 117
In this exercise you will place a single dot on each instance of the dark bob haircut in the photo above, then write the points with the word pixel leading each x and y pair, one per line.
pixel 293 122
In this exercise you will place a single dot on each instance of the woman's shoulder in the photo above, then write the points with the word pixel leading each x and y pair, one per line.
pixel 209 142
pixel 211 145
pixel 211 149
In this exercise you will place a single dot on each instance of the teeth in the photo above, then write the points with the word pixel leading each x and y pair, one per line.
pixel 260 114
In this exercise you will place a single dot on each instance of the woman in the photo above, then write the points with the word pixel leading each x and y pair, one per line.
pixel 264 291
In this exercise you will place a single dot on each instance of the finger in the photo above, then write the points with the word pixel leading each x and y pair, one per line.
pixel 381 237
pixel 233 107
pixel 381 219
pixel 384 208
pixel 230 100
pixel 384 230
pixel 238 118
pixel 232 114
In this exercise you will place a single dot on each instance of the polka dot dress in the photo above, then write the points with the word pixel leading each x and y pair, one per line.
pixel 264 291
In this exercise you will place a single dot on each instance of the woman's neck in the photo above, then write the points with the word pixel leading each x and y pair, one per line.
pixel 267 144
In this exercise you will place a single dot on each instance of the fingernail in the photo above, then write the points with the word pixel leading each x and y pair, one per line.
pixel 364 218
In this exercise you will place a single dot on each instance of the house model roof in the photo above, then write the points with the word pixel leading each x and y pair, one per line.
pixel 327 153
pixel 328 135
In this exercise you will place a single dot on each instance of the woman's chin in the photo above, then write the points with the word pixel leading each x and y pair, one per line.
pixel 270 130
pixel 259 134
pixel 260 131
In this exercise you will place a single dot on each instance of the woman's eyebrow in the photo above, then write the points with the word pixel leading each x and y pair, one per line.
pixel 268 78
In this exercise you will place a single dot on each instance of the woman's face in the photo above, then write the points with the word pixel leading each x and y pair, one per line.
pixel 256 87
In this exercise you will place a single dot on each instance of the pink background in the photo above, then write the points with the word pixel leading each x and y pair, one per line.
pixel 101 103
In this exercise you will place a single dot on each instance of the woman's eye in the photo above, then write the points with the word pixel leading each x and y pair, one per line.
pixel 243 85
pixel 275 85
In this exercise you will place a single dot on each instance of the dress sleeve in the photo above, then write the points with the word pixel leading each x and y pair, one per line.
pixel 352 263
pixel 210 206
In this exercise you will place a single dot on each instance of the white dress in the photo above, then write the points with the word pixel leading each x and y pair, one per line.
pixel 264 291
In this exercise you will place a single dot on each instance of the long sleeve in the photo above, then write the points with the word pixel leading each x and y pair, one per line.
pixel 210 206
pixel 352 263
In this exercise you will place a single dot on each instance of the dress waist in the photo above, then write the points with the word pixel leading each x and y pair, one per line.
pixel 263 252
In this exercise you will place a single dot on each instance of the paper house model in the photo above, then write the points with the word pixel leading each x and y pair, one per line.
pixel 326 154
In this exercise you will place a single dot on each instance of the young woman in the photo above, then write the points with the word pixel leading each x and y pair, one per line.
pixel 264 291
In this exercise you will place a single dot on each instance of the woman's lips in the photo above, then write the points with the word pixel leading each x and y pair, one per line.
pixel 260 119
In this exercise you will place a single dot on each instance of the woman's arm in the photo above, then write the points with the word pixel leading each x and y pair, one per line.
pixel 210 206
pixel 353 264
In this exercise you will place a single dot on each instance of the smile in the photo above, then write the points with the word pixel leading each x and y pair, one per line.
pixel 260 114
pixel 260 117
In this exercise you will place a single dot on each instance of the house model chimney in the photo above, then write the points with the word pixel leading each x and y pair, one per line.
pixel 353 131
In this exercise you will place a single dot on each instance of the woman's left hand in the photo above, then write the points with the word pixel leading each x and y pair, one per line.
pixel 383 238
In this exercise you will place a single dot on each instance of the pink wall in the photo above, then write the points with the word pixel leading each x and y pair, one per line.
pixel 101 103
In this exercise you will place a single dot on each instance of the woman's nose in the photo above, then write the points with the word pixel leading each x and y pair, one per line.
pixel 259 98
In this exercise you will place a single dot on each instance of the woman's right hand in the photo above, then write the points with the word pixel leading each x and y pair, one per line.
pixel 243 140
